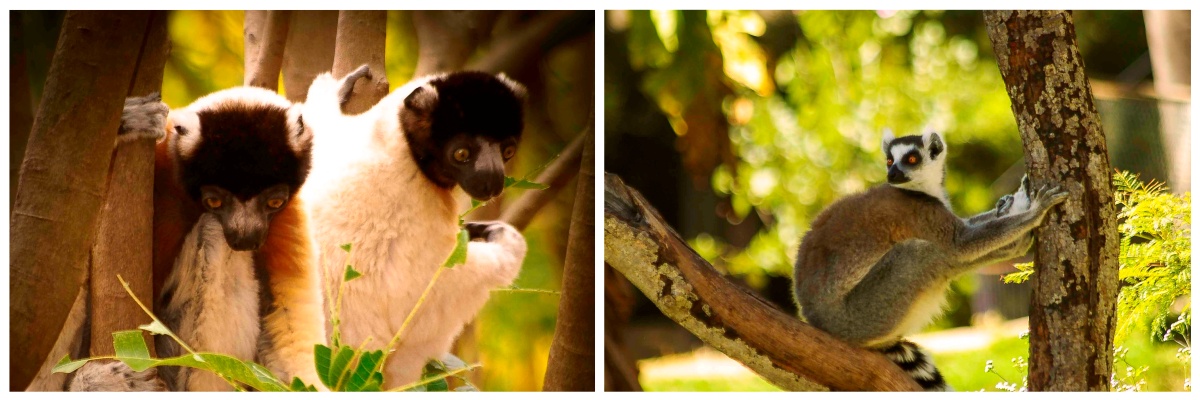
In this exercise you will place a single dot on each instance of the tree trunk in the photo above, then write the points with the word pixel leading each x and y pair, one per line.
pixel 447 38
pixel 512 50
pixel 571 365
pixel 779 347
pixel 1169 36
pixel 63 178
pixel 124 240
pixel 265 34
pixel 1072 313
pixel 361 36
pixel 20 103
pixel 308 51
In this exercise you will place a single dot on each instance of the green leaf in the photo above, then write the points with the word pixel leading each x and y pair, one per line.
pixel 351 273
pixel 466 387
pixel 365 373
pixel 509 181
pixel 66 365
pixel 131 349
pixel 526 184
pixel 345 247
pixel 323 356
pixel 156 328
pixel 341 362
pixel 459 255
pixel 450 362
pixel 475 203
pixel 439 385
pixel 298 386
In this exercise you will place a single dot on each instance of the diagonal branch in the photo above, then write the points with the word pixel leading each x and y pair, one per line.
pixel 555 176
pixel 779 347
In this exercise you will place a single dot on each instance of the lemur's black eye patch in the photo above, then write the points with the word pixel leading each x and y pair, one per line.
pixel 912 158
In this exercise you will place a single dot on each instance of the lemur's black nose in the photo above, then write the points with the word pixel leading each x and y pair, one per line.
pixel 895 175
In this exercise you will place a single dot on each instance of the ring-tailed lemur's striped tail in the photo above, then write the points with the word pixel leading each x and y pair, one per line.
pixel 916 364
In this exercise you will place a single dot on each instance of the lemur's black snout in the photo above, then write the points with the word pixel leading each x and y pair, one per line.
pixel 896 176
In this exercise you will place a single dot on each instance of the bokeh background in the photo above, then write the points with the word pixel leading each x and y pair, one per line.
pixel 740 126
pixel 512 335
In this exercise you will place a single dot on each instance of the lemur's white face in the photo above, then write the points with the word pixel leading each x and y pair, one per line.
pixel 916 163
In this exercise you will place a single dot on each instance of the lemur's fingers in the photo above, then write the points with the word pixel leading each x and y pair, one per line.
pixel 143 118
pixel 1004 205
pixel 348 83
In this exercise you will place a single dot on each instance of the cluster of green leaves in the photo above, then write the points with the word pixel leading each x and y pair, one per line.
pixel 806 126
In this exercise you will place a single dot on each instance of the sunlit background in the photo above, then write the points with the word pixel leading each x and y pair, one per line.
pixel 740 126
pixel 512 335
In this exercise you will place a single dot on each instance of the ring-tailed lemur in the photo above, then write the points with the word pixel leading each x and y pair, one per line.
pixel 231 241
pixel 387 181
pixel 876 266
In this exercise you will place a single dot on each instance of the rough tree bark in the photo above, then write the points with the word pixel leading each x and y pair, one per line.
pixel 360 40
pixel 779 347
pixel 265 34
pixel 572 353
pixel 308 51
pixel 1072 313
pixel 63 179
pixel 124 240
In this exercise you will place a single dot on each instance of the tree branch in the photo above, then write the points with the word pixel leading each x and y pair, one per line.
pixel 548 28
pixel 58 200
pixel 779 347
pixel 265 34
pixel 1072 311
pixel 361 40
pixel 555 176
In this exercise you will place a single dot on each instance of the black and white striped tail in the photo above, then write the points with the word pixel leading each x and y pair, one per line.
pixel 917 364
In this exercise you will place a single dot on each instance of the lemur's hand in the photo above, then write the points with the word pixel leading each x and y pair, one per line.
pixel 143 118
pixel 1004 205
pixel 114 376
pixel 1046 197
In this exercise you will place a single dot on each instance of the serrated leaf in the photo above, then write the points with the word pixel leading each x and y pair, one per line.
pixel 66 365
pixel 526 184
pixel 351 273
pixel 459 255
pixel 324 357
pixel 361 379
pixel 345 247
pixel 155 327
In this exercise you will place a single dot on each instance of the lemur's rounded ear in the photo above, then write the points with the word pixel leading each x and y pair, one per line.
pixel 299 134
pixel 888 136
pixel 516 87
pixel 422 100
pixel 936 146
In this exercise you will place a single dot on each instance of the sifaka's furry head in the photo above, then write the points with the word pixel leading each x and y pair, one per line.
pixel 462 127
pixel 916 163
pixel 241 153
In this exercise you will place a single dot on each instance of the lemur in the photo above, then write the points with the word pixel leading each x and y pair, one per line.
pixel 387 181
pixel 234 267
pixel 875 266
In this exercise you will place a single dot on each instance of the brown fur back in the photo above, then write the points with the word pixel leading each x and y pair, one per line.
pixel 860 229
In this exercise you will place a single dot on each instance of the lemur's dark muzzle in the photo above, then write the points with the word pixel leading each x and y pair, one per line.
pixel 896 176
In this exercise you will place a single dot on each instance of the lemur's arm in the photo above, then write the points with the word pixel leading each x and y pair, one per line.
pixel 973 242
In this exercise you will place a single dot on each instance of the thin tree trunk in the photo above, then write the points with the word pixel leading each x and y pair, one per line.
pixel 1168 34
pixel 361 36
pixel 779 347
pixel 447 38
pixel 265 35
pixel 571 365
pixel 308 51
pixel 1072 314
pixel 510 51
pixel 124 236
pixel 63 178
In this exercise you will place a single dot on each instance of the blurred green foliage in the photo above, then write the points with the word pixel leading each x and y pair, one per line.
pixel 515 329
pixel 807 131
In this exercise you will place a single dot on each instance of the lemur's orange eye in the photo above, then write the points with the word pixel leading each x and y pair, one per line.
pixel 509 152
pixel 461 155
pixel 212 202
pixel 889 162
pixel 912 159
pixel 275 203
